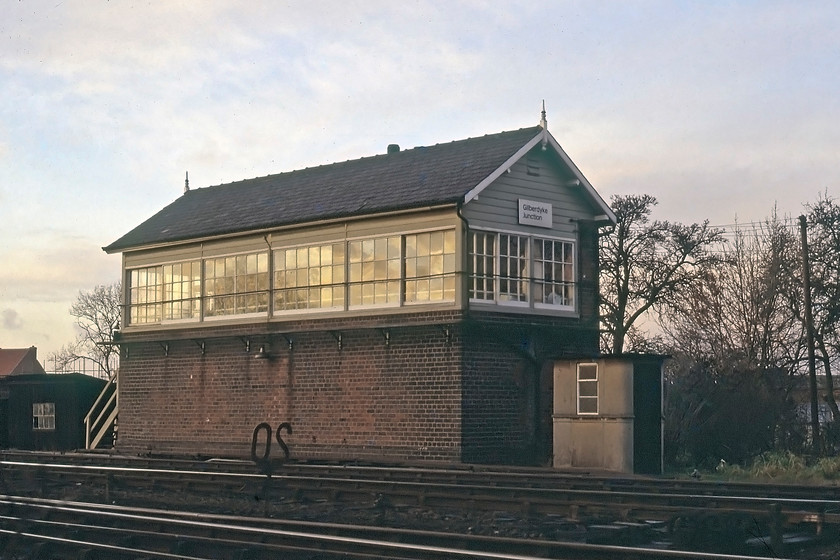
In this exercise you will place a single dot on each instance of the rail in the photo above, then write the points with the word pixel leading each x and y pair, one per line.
pixel 689 512
pixel 71 528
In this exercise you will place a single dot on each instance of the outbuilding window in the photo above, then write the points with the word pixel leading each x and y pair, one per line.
pixel 587 388
pixel 43 416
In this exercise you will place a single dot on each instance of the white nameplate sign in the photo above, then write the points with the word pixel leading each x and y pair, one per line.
pixel 534 213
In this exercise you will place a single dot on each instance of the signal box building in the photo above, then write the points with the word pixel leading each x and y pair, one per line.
pixel 404 306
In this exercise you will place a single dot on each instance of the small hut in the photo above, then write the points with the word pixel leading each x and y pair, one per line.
pixel 608 413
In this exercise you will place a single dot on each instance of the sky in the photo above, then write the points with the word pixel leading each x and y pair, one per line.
pixel 722 110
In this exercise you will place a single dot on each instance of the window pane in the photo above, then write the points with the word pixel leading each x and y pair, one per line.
pixel 588 388
pixel 410 246
pixel 368 246
pixel 302 258
pixel 436 243
pixel 393 247
pixel 449 242
pixel 588 406
pixel 588 372
pixel 355 251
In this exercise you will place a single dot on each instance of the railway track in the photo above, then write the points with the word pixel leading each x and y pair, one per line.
pixel 694 512
pixel 458 474
pixel 664 504
pixel 58 529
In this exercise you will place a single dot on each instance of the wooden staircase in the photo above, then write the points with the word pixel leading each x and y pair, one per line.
pixel 101 419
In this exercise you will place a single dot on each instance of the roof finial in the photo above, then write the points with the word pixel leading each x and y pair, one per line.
pixel 543 121
pixel 187 183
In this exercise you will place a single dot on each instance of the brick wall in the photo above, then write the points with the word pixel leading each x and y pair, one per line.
pixel 374 398
pixel 508 383
pixel 437 386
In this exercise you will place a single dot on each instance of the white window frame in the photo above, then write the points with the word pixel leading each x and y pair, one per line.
pixel 275 290
pixel 485 257
pixel 444 275
pixel 523 280
pixel 206 297
pixel 348 275
pixel 589 381
pixel 43 416
pixel 539 283
pixel 160 301
pixel 531 282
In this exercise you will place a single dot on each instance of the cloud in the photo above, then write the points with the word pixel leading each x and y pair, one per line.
pixel 11 320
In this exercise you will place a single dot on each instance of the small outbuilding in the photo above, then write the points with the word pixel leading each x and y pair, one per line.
pixel 13 361
pixel 46 412
pixel 608 413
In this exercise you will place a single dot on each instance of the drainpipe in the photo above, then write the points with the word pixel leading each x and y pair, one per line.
pixel 465 259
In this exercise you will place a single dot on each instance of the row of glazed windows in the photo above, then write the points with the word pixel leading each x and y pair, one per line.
pixel 375 272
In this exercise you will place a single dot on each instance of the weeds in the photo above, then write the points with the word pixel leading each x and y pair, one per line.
pixel 783 467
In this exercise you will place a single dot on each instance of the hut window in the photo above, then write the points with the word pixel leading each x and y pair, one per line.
pixel 43 416
pixel 587 388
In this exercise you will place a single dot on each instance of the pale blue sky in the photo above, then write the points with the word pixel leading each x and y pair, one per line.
pixel 719 109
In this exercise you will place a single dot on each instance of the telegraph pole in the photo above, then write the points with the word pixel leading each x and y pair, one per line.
pixel 809 334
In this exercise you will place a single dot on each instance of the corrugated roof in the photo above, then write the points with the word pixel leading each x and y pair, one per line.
pixel 414 178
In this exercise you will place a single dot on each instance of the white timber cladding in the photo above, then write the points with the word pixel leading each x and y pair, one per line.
pixel 536 177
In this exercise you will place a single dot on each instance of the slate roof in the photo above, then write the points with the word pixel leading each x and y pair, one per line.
pixel 16 361
pixel 424 176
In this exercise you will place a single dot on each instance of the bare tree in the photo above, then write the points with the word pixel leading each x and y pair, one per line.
pixel 739 309
pixel 737 352
pixel 823 221
pixel 97 314
pixel 646 265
